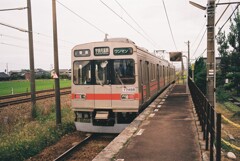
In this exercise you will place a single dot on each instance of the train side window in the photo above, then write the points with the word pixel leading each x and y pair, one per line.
pixel 81 72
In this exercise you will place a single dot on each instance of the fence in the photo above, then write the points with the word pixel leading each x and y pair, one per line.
pixel 206 114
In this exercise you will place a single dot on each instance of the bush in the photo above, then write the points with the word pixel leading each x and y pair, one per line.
pixel 35 136
pixel 222 95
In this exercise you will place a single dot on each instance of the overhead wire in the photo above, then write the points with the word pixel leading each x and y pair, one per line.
pixel 228 19
pixel 126 22
pixel 199 44
pixel 23 47
pixel 135 21
pixel 49 44
pixel 88 22
pixel 199 55
pixel 199 34
pixel 169 25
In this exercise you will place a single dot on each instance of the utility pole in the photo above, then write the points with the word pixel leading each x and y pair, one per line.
pixel 188 64
pixel 56 66
pixel 188 61
pixel 31 59
pixel 211 66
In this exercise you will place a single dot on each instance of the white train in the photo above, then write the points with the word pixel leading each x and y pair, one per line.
pixel 112 81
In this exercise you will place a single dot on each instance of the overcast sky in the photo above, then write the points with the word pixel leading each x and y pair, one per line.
pixel 187 23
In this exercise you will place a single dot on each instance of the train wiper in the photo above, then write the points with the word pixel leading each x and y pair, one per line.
pixel 101 83
pixel 120 80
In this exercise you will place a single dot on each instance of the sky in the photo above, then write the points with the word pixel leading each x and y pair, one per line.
pixel 83 21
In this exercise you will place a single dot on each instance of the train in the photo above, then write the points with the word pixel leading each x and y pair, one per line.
pixel 113 81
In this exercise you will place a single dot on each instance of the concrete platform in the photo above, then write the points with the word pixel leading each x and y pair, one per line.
pixel 165 131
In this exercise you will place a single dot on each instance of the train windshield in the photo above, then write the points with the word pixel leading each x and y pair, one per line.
pixel 101 72
pixel 124 71
pixel 82 72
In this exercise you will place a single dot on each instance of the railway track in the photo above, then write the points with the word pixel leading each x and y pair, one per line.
pixel 87 149
pixel 28 99
pixel 74 148
pixel 28 93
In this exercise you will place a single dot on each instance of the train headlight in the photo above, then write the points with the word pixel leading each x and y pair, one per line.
pixel 79 96
pixel 127 97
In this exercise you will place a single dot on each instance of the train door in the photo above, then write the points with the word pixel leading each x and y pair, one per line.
pixel 147 79
pixel 102 89
pixel 141 82
pixel 163 75
pixel 158 77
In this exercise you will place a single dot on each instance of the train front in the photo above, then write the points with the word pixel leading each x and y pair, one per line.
pixel 105 93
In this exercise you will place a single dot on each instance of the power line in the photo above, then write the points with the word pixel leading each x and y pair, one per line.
pixel 10 9
pixel 49 44
pixel 37 33
pixel 222 14
pixel 199 55
pixel 169 25
pixel 91 24
pixel 227 19
pixel 199 43
pixel 126 22
pixel 199 33
pixel 134 21
pixel 22 47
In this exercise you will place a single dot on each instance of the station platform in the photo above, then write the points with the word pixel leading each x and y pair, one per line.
pixel 165 131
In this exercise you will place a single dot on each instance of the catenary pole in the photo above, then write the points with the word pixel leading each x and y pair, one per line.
pixel 31 59
pixel 211 69
pixel 56 66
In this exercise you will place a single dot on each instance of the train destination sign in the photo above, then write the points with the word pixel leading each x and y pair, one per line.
pixel 122 51
pixel 175 56
pixel 82 53
pixel 101 51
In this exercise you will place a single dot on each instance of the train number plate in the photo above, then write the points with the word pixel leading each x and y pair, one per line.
pixel 129 89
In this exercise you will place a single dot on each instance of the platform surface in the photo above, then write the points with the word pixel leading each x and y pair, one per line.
pixel 168 134
pixel 164 131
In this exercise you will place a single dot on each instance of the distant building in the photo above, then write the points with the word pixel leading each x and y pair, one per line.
pixel 4 76
pixel 25 74
pixel 63 73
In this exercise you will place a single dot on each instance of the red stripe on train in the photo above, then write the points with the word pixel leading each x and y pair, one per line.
pixel 90 96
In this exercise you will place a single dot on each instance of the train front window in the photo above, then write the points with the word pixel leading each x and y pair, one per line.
pixel 82 72
pixel 124 71
pixel 101 72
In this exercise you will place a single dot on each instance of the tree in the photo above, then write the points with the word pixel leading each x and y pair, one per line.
pixel 234 42
pixel 229 50
pixel 225 59
pixel 200 74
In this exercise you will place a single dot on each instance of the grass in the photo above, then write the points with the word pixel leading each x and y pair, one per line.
pixel 228 109
pixel 22 86
pixel 232 107
pixel 34 136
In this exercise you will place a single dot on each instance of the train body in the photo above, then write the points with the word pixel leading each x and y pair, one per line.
pixel 112 81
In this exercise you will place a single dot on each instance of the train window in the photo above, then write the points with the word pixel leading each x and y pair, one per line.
pixel 122 51
pixel 124 71
pixel 101 72
pixel 82 53
pixel 81 72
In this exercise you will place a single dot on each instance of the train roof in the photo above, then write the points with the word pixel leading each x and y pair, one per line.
pixel 126 40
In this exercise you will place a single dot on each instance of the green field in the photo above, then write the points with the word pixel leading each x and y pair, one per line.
pixel 22 86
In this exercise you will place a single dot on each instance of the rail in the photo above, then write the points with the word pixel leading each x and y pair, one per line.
pixel 206 114
pixel 24 100
pixel 74 148
pixel 28 93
